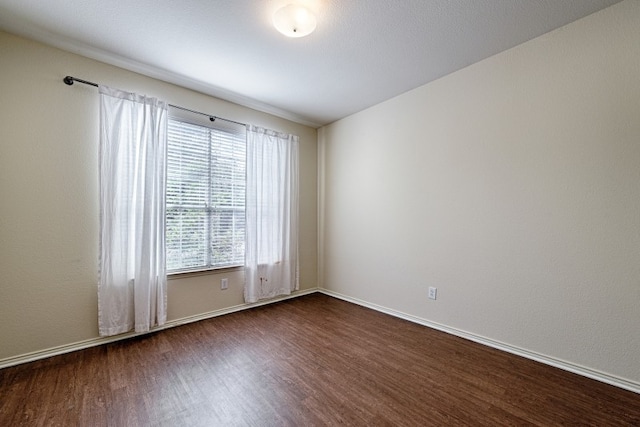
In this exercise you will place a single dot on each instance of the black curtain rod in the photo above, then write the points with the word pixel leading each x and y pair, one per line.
pixel 70 80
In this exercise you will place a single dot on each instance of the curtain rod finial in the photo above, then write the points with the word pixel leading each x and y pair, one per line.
pixel 68 80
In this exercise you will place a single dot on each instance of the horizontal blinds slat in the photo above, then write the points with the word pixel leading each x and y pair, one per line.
pixel 186 238
pixel 228 226
pixel 205 197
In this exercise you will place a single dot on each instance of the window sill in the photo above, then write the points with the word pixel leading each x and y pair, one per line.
pixel 206 272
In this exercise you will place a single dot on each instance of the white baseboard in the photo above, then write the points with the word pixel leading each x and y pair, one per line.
pixel 567 366
pixel 93 342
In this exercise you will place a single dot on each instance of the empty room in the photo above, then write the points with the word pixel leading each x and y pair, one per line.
pixel 319 212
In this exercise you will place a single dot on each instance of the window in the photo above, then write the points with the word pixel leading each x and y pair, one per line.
pixel 206 184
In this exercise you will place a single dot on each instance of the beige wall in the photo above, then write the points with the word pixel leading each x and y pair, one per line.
pixel 49 197
pixel 513 186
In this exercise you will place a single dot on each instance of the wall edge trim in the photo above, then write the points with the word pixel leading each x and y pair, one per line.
pixel 528 354
pixel 94 342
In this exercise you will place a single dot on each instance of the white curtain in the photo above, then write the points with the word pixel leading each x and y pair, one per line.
pixel 271 242
pixel 132 282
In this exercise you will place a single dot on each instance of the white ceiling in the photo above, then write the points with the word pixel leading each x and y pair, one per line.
pixel 362 52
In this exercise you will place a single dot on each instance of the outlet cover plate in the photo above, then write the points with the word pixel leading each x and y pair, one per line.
pixel 433 292
pixel 224 283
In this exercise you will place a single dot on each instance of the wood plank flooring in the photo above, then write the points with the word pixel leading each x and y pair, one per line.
pixel 313 360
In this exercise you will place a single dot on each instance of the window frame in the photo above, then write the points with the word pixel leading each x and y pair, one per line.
pixel 230 130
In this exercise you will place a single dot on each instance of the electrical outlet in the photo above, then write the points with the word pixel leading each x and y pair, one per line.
pixel 224 283
pixel 433 292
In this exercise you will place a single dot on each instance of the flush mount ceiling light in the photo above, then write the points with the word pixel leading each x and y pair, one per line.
pixel 294 20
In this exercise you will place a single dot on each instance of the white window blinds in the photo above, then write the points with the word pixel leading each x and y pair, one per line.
pixel 206 183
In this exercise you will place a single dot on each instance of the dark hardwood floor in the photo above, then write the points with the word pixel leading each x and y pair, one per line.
pixel 313 360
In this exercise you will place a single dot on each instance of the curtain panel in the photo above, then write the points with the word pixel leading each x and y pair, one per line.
pixel 271 239
pixel 132 284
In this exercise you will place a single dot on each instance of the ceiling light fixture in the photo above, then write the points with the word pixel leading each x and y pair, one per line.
pixel 294 20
